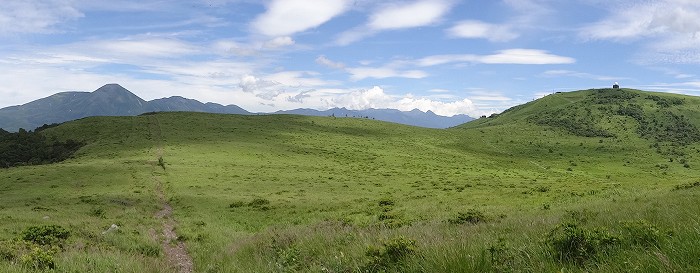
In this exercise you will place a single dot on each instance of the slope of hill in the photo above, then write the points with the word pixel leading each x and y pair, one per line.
pixel 668 122
pixel 115 100
pixel 295 193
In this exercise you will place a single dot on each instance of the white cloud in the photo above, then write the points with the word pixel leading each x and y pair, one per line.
pixel 140 47
pixel 279 42
pixel 359 73
pixel 35 16
pixel 416 14
pixel 299 79
pixel 376 98
pixel 282 87
pixel 669 28
pixel 508 56
pixel 250 84
pixel 322 60
pixel 354 35
pixel 525 56
pixel 477 29
pixel 397 16
pixel 639 19
pixel 286 17
pixel 568 73
pixel 688 87
pixel 445 59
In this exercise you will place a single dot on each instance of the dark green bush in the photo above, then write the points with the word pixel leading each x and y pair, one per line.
pixel 386 202
pixel 687 186
pixel 389 254
pixel 33 148
pixel 501 256
pixel 97 212
pixel 236 204
pixel 642 233
pixel 257 202
pixel 471 217
pixel 260 204
pixel 576 244
pixel 161 162
pixel 46 235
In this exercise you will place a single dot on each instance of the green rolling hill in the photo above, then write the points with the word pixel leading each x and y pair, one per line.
pixel 588 181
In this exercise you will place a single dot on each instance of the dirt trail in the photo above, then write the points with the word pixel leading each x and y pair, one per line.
pixel 175 251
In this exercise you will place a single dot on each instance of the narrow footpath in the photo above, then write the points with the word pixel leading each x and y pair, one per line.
pixel 175 251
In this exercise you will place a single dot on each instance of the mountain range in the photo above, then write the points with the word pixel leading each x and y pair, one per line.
pixel 115 100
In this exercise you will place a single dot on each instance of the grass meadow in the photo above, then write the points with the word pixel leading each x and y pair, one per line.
pixel 282 193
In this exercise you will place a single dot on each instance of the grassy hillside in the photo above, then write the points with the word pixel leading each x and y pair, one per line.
pixel 527 190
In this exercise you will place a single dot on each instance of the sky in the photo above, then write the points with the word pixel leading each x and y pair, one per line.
pixel 472 57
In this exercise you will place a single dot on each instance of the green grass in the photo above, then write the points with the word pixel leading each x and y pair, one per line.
pixel 287 193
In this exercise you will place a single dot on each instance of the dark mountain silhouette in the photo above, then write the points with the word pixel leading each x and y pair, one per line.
pixel 108 100
pixel 115 100
pixel 414 117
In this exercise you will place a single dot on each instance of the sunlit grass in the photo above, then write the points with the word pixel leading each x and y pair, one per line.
pixel 310 194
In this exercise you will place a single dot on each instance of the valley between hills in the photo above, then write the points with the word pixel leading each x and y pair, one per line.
pixel 600 180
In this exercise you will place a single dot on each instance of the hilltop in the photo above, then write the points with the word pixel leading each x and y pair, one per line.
pixel 523 190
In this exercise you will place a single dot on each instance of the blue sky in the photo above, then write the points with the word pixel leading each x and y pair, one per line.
pixel 451 57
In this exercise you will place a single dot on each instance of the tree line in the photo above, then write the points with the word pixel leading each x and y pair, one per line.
pixel 33 148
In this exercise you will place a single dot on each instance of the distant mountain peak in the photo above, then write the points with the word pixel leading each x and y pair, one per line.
pixel 111 87
pixel 115 100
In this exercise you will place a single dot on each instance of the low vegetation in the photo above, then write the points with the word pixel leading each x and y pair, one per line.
pixel 515 192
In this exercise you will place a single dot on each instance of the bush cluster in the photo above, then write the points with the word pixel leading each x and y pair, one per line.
pixel 687 186
pixel 36 247
pixel 389 255
pixel 665 102
pixel 257 203
pixel 46 235
pixel 573 120
pixel 576 243
pixel 387 217
pixel 33 148
pixel 573 243
pixel 472 216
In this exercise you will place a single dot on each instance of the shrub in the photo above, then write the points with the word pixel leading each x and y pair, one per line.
pixel 642 233
pixel 38 259
pixel 8 250
pixel 687 186
pixel 46 235
pixel 501 258
pixel 389 254
pixel 260 204
pixel 161 162
pixel 97 212
pixel 236 204
pixel 257 202
pixel 288 259
pixel 572 243
pixel 471 216
pixel 386 202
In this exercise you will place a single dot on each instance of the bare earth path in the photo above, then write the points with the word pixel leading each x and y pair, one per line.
pixel 175 251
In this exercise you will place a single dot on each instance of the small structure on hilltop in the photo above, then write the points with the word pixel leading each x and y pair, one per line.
pixel 616 86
